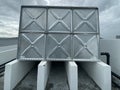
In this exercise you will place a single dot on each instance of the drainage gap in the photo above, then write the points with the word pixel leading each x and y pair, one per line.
pixel 57 78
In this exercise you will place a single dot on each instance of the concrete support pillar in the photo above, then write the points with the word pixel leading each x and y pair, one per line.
pixel 15 71
pixel 42 75
pixel 72 74
pixel 99 72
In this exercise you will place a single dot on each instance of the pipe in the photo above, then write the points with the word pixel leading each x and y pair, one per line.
pixel 117 76
pixel 107 55
pixel 108 62
pixel 116 84
pixel 2 67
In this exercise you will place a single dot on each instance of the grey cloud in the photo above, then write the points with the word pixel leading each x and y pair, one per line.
pixel 109 14
pixel 110 21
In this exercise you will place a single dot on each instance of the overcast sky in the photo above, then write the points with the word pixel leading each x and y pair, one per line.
pixel 109 14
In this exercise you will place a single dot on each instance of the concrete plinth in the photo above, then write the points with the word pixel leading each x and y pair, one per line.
pixel 15 71
pixel 43 73
pixel 72 75
pixel 99 72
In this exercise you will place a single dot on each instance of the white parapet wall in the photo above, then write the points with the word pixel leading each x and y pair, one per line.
pixel 72 74
pixel 99 72
pixel 42 75
pixel 15 71
pixel 113 48
pixel 7 53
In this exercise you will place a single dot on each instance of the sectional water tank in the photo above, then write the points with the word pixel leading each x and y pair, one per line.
pixel 55 33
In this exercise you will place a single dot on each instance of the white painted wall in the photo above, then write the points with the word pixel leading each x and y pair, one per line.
pixel 113 47
pixel 7 53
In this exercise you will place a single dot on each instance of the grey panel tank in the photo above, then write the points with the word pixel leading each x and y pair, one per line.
pixel 58 33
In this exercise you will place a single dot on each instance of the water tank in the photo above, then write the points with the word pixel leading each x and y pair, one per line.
pixel 55 33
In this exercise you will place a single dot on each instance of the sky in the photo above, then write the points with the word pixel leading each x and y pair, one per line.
pixel 109 14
